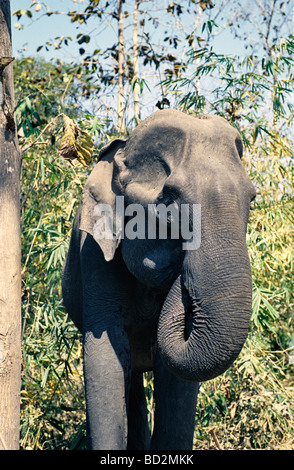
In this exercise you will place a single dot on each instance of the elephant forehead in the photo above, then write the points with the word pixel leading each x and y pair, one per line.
pixel 163 142
pixel 159 147
pixel 167 138
pixel 163 123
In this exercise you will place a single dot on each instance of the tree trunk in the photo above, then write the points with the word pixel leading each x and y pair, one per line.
pixel 120 122
pixel 10 280
pixel 136 65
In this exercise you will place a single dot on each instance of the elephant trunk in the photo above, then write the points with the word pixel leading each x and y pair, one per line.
pixel 205 318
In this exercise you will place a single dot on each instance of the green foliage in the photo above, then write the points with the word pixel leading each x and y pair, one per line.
pixel 52 374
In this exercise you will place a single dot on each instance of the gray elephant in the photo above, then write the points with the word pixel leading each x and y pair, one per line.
pixel 164 303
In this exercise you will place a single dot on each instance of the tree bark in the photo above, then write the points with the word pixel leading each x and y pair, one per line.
pixel 120 112
pixel 10 279
pixel 136 65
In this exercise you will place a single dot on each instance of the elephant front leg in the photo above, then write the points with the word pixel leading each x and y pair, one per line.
pixel 107 379
pixel 175 408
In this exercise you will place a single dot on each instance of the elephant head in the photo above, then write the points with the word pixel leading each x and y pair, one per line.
pixel 176 159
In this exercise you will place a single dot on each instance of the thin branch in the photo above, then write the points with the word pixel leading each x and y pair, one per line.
pixel 121 60
pixel 214 437
pixel 136 64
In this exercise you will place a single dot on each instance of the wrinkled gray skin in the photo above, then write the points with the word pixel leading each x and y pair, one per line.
pixel 147 304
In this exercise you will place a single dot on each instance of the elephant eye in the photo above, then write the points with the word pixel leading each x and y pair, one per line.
pixel 167 211
pixel 169 194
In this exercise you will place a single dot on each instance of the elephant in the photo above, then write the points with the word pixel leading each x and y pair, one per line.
pixel 159 303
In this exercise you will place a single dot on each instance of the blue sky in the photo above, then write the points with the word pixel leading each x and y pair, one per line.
pixel 39 29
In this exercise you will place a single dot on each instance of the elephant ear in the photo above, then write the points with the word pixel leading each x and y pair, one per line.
pixel 98 217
